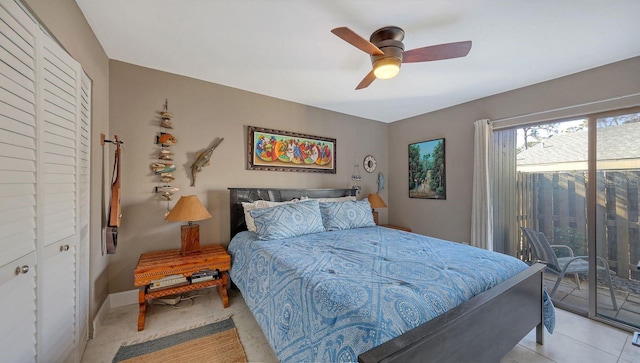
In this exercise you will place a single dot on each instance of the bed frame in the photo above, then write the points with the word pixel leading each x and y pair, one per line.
pixel 484 328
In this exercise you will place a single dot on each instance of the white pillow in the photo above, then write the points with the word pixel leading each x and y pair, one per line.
pixel 258 204
pixel 330 200
pixel 251 226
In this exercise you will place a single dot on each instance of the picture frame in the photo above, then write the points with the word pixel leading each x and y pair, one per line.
pixel 277 150
pixel 427 177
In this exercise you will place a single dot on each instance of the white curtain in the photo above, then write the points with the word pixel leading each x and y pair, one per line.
pixel 482 203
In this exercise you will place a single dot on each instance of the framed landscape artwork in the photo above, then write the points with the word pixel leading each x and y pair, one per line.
pixel 277 150
pixel 427 170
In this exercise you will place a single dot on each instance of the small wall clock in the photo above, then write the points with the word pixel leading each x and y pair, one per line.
pixel 369 164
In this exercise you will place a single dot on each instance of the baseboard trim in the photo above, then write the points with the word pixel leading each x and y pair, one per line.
pixel 123 298
pixel 113 301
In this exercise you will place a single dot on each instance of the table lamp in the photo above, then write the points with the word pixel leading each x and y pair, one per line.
pixel 189 209
pixel 376 202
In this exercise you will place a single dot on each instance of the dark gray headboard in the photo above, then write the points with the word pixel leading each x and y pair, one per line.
pixel 239 195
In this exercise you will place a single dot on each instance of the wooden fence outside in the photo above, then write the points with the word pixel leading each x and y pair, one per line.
pixel 555 203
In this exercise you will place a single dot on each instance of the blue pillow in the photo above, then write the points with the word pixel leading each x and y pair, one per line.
pixel 346 215
pixel 288 220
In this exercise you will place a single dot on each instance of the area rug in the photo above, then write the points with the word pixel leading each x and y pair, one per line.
pixel 216 342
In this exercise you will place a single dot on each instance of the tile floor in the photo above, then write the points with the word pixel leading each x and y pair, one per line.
pixel 576 339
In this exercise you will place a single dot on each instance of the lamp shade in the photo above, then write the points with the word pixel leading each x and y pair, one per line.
pixel 188 209
pixel 376 201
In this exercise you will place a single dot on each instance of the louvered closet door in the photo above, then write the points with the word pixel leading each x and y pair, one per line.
pixel 18 163
pixel 58 146
pixel 83 205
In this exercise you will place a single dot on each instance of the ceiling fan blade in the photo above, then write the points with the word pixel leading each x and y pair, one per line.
pixel 437 52
pixel 366 81
pixel 357 41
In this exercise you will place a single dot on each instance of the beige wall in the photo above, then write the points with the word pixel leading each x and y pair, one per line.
pixel 67 24
pixel 203 111
pixel 451 218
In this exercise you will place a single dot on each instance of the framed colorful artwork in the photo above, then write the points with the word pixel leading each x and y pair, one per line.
pixel 427 170
pixel 277 150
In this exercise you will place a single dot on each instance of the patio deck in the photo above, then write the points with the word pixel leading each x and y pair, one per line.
pixel 627 299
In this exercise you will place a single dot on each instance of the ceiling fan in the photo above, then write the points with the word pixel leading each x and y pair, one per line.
pixel 387 51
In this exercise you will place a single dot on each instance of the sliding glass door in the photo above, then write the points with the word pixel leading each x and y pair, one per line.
pixel 551 185
pixel 617 236
pixel 542 184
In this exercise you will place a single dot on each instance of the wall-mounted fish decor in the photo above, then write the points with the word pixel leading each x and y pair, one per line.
pixel 166 116
pixel 166 120
pixel 202 159
pixel 166 139
pixel 166 189
pixel 164 167
pixel 161 168
pixel 165 154
pixel 167 178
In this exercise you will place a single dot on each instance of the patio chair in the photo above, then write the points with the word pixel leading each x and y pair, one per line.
pixel 544 252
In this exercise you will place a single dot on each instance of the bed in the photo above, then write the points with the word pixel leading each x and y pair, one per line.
pixel 361 293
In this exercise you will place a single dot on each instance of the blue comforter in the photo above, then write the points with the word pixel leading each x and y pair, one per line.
pixel 333 295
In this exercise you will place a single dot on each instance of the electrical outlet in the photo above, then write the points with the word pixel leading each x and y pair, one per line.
pixel 169 300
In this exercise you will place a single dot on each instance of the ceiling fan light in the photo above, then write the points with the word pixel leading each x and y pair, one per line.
pixel 386 68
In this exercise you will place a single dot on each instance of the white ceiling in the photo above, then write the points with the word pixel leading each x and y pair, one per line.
pixel 284 48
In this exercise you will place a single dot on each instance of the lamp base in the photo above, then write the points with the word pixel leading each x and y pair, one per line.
pixel 189 239
pixel 375 216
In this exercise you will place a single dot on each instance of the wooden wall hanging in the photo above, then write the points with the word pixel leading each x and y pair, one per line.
pixel 164 168
pixel 115 210
pixel 203 158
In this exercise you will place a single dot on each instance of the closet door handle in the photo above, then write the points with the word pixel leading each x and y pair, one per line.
pixel 64 248
pixel 24 269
